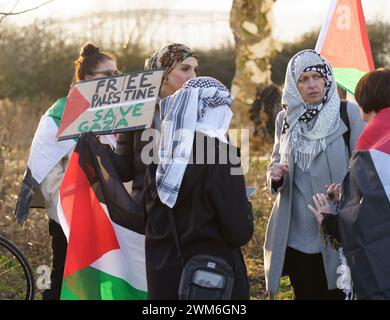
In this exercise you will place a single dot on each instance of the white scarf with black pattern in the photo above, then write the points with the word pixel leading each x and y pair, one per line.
pixel 202 104
pixel 304 137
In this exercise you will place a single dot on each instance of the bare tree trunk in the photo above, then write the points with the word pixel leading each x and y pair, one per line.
pixel 251 23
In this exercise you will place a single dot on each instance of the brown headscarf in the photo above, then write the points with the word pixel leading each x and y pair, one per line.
pixel 167 57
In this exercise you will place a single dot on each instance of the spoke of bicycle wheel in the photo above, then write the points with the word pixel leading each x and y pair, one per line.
pixel 11 268
pixel 13 279
pixel 6 262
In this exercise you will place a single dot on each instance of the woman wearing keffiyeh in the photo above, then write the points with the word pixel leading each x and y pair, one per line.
pixel 202 104
pixel 309 152
pixel 179 64
pixel 210 207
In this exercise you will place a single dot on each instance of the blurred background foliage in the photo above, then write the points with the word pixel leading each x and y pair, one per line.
pixel 37 60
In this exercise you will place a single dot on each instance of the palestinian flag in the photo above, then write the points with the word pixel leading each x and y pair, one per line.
pixel 104 227
pixel 364 215
pixel 45 153
pixel 344 42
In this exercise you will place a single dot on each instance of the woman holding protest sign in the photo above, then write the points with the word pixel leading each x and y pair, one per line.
pixel 48 160
pixel 179 64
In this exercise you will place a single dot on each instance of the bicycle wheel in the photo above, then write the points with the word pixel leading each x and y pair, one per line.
pixel 16 276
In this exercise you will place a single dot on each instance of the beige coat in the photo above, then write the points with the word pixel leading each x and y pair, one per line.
pixel 51 184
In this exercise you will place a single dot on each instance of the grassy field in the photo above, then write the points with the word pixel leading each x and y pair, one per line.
pixel 17 125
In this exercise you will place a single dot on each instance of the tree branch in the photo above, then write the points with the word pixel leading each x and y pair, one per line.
pixel 13 8
pixel 24 11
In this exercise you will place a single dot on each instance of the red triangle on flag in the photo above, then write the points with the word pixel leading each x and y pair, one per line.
pixel 76 104
pixel 343 40
pixel 91 231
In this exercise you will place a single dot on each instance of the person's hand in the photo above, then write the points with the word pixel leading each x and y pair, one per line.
pixel 333 191
pixel 277 172
pixel 322 206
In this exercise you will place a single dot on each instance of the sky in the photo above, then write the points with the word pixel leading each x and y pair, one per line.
pixel 292 17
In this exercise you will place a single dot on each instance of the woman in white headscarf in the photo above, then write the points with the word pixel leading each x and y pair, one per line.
pixel 309 153
pixel 194 177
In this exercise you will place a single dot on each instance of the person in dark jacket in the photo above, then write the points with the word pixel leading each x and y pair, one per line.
pixel 179 64
pixel 208 199
pixel 361 226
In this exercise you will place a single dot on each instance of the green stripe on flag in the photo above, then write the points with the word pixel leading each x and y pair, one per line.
pixel 56 110
pixel 347 78
pixel 93 284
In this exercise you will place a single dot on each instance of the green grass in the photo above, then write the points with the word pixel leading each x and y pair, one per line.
pixel 12 278
pixel 285 292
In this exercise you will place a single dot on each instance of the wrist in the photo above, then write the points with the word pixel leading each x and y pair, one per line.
pixel 325 214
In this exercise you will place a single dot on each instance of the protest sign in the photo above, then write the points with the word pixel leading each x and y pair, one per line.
pixel 111 104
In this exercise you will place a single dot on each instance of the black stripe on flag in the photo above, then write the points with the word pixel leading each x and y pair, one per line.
pixel 96 162
pixel 364 216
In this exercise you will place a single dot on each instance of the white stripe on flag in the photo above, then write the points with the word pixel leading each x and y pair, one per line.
pixel 325 26
pixel 62 218
pixel 45 151
pixel 128 262
pixel 381 161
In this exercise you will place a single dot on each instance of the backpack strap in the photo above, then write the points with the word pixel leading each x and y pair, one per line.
pixel 344 117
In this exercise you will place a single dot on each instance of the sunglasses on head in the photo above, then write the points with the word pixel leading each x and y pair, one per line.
pixel 107 73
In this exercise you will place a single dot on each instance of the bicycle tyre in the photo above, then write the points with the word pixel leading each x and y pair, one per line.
pixel 27 271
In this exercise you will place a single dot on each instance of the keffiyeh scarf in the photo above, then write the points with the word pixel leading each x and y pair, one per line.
pixel 202 103
pixel 305 126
